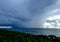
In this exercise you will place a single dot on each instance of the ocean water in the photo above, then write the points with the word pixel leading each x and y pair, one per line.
pixel 38 31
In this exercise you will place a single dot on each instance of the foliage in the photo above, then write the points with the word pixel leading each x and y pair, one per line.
pixel 12 36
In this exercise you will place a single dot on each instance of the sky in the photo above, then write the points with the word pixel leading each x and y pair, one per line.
pixel 28 13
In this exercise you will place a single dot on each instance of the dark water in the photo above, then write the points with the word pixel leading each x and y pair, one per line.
pixel 38 31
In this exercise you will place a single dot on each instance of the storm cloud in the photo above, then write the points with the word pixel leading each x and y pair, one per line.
pixel 25 13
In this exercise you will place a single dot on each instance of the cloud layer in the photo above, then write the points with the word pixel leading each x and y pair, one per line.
pixel 25 13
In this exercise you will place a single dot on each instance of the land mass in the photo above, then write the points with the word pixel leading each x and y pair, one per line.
pixel 13 36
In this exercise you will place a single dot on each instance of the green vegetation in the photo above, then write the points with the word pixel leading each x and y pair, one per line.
pixel 12 36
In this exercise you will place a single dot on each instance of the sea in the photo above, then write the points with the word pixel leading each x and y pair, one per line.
pixel 37 31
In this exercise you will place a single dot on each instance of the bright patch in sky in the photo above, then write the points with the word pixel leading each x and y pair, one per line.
pixel 5 26
pixel 54 17
pixel 52 22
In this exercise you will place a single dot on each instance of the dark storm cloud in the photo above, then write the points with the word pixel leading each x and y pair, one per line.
pixel 23 12
pixel 37 6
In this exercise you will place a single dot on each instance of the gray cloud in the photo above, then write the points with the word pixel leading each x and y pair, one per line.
pixel 24 12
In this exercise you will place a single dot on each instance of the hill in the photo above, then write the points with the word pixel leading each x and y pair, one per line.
pixel 13 36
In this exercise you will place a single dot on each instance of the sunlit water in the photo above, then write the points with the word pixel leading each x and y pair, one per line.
pixel 37 31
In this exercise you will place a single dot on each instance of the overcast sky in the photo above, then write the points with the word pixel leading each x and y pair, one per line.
pixel 28 13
